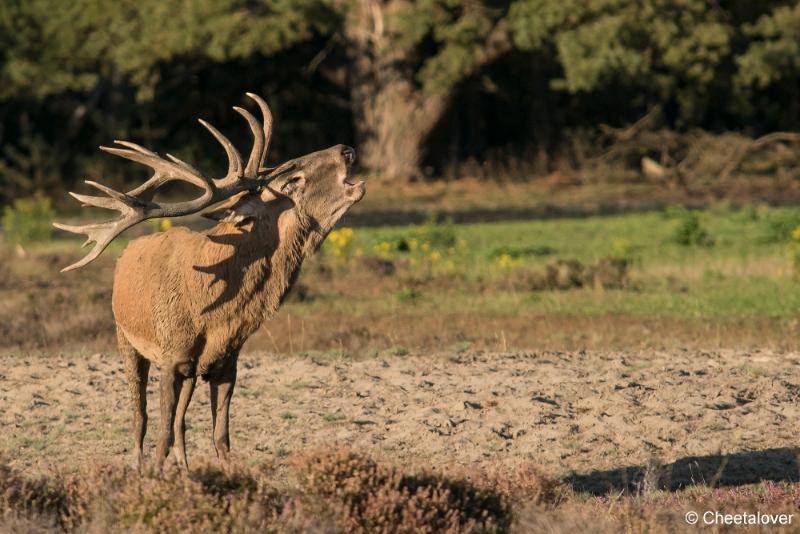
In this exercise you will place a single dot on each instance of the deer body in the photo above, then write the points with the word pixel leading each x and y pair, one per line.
pixel 222 284
pixel 188 301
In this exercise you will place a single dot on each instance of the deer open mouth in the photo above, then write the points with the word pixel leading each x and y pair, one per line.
pixel 354 190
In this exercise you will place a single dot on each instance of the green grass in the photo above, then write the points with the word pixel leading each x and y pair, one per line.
pixel 589 239
pixel 740 275
pixel 742 271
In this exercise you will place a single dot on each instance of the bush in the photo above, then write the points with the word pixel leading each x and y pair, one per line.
pixel 688 229
pixel 779 226
pixel 407 294
pixel 23 498
pixel 521 252
pixel 562 275
pixel 793 251
pixel 29 220
pixel 431 235
pixel 328 491
pixel 368 496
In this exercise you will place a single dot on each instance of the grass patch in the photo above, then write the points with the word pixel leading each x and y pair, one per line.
pixel 474 283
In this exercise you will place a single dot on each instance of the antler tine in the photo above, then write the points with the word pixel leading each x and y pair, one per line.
pixel 132 210
pixel 254 161
pixel 234 159
pixel 187 167
pixel 137 204
pixel 137 148
pixel 102 234
pixel 164 171
pixel 267 115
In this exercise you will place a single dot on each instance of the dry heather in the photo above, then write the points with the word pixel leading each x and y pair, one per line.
pixel 345 491
pixel 330 491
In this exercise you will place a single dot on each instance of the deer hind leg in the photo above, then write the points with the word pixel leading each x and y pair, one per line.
pixel 179 428
pixel 137 369
pixel 171 384
pixel 221 383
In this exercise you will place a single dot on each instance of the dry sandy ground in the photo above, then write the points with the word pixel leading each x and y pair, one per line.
pixel 592 417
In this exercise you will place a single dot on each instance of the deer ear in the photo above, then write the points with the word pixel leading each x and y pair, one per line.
pixel 238 211
pixel 289 184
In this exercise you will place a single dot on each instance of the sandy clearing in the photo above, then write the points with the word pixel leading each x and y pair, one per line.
pixel 589 414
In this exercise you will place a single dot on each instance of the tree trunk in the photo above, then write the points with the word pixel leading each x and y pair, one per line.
pixel 394 122
pixel 392 115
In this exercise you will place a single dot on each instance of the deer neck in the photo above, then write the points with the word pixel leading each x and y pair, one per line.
pixel 273 276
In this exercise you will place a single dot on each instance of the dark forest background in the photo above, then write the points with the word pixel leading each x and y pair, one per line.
pixel 423 89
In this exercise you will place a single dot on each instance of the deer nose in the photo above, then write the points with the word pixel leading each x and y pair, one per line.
pixel 349 154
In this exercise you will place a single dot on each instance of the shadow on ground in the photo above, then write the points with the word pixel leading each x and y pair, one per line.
pixel 777 465
pixel 402 217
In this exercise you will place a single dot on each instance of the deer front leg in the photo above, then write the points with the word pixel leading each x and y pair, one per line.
pixel 179 428
pixel 221 386
pixel 137 369
pixel 170 388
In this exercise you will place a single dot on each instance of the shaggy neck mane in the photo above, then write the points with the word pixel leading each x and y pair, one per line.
pixel 261 261
pixel 269 278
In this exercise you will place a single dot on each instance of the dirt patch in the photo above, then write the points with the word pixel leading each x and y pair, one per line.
pixel 598 419
pixel 41 308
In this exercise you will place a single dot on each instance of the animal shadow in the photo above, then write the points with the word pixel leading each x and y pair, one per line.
pixel 778 465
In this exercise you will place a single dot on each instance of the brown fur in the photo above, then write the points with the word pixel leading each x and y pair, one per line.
pixel 188 301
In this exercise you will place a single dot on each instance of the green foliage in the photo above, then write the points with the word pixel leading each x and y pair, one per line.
pixel 461 32
pixel 407 294
pixel 779 225
pixel 687 228
pixel 773 54
pixel 793 251
pixel 664 279
pixel 29 220
pixel 76 74
pixel 438 235
pixel 91 41
pixel 673 50
pixel 427 237
pixel 516 252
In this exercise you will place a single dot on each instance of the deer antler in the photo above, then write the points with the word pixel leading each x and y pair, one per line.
pixel 137 205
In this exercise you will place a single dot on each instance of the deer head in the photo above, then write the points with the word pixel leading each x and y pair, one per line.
pixel 318 184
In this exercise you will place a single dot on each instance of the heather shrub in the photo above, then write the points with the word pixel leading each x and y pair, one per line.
pixel 30 499
pixel 367 496
pixel 208 500
pixel 333 491
pixel 522 485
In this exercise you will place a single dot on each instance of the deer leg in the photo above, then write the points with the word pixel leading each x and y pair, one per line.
pixel 179 428
pixel 137 369
pixel 170 388
pixel 221 387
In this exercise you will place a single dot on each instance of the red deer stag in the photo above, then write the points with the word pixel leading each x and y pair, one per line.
pixel 188 300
